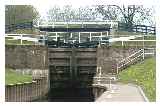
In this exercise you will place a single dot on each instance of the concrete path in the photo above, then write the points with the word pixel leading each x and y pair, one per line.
pixel 121 93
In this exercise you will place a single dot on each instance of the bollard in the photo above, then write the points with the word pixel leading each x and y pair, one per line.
pixel 7 92
pixel 19 90
pixel 33 85
pixel 11 93
pixel 23 92
pixel 16 93
pixel 27 91
pixel 38 88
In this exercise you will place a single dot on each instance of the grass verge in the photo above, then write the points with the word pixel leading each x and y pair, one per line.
pixel 11 77
pixel 142 74
pixel 18 42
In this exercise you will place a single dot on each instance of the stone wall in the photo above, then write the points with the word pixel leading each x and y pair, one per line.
pixel 26 57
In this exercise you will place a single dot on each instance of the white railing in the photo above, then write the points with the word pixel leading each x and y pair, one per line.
pixel 80 36
pixel 123 41
pixel 142 53
pixel 24 37
pixel 150 51
pixel 65 24
pixel 130 59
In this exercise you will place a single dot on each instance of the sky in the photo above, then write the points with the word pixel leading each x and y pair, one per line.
pixel 44 5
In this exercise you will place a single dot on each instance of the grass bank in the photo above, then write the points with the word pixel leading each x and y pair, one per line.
pixel 18 42
pixel 142 74
pixel 11 77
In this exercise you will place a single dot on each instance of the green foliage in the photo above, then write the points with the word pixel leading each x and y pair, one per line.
pixel 11 77
pixel 146 38
pixel 25 31
pixel 143 74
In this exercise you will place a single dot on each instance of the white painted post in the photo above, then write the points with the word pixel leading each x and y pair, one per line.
pixel 21 38
pixel 82 25
pixel 143 47
pixel 117 68
pixel 100 71
pixel 101 36
pixel 79 38
pixel 107 33
pixel 56 36
pixel 122 43
pixel 90 37
pixel 143 53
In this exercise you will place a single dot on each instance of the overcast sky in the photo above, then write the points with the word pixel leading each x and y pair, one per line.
pixel 44 5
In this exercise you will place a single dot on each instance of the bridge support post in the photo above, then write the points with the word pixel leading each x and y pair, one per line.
pixel 90 36
pixel 101 36
pixel 56 36
pixel 79 37
pixel 21 39
pixel 122 43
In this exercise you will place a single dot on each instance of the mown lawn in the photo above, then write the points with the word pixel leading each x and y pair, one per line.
pixel 142 74
pixel 119 33
pixel 153 37
pixel 18 42
pixel 12 77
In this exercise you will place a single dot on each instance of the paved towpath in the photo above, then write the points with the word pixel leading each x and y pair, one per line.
pixel 122 93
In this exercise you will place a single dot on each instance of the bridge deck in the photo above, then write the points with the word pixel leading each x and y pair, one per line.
pixel 50 29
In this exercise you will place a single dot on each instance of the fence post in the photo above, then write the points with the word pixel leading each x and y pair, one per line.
pixel 122 43
pixel 143 53
pixel 10 93
pixel 117 68
pixel 33 87
pixel 90 36
pixel 146 30
pixel 136 28
pixel 79 37
pixel 21 38
pixel 20 91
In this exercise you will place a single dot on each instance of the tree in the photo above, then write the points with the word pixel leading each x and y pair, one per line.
pixel 20 13
pixel 129 15
pixel 107 11
pixel 67 13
